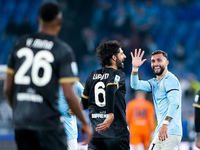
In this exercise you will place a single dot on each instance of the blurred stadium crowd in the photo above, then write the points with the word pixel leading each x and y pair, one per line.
pixel 170 25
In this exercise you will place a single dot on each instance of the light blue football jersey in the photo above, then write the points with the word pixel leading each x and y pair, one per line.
pixel 70 122
pixel 167 97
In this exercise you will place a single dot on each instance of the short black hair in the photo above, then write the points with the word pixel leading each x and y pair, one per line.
pixel 160 52
pixel 106 50
pixel 49 11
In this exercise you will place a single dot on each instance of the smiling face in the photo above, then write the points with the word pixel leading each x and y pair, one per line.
pixel 159 64
pixel 120 58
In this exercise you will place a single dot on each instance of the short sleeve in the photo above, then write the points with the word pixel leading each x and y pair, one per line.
pixel 68 69
pixel 197 100
pixel 116 78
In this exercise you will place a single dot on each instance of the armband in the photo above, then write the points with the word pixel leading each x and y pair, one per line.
pixel 135 69
pixel 166 122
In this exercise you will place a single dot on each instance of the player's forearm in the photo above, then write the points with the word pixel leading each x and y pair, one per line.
pixel 75 106
pixel 8 95
pixel 84 102
pixel 110 97
pixel 197 139
pixel 167 120
pixel 73 102
pixel 141 85
pixel 8 87
pixel 110 118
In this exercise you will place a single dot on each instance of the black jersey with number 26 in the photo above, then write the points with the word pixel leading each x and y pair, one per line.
pixel 39 63
pixel 95 92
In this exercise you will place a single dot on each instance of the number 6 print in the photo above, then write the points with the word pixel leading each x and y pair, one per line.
pixel 99 89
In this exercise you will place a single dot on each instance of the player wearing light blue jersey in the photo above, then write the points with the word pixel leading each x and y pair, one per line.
pixel 70 123
pixel 166 93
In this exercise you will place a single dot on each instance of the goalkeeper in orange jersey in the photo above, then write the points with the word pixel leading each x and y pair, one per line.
pixel 141 120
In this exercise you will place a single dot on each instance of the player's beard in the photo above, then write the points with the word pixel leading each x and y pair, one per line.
pixel 162 68
pixel 119 64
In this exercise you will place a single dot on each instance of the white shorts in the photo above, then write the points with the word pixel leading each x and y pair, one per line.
pixel 171 143
pixel 72 144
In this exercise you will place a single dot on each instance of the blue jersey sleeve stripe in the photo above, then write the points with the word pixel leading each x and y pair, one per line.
pixel 151 87
pixel 172 90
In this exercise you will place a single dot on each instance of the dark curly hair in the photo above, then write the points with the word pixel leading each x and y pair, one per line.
pixel 106 50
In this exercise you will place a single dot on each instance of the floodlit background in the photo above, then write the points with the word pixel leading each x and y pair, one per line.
pixel 169 25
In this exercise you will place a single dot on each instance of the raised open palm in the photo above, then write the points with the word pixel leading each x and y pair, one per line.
pixel 137 58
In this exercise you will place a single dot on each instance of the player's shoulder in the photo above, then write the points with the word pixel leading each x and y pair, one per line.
pixel 197 98
pixel 62 45
pixel 152 80
pixel 149 103
pixel 170 78
pixel 131 102
pixel 118 72
pixel 22 39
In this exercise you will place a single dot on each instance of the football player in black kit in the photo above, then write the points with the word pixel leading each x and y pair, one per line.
pixel 196 104
pixel 36 66
pixel 104 96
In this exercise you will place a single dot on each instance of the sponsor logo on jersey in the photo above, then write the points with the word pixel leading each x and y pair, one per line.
pixel 161 85
pixel 30 96
pixel 117 78
pixel 99 115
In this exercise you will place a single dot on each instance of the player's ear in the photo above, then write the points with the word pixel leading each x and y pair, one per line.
pixel 114 57
pixel 59 21
pixel 167 61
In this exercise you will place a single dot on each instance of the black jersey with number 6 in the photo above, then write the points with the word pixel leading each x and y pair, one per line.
pixel 39 63
pixel 95 92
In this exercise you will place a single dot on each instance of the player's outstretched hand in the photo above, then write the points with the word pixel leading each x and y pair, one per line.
pixel 86 129
pixel 137 58
pixel 106 124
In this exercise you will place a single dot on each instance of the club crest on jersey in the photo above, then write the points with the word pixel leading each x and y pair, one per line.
pixel 117 78
pixel 161 85
pixel 196 98
pixel 74 68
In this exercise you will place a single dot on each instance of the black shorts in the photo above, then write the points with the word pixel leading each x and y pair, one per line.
pixel 41 140
pixel 121 143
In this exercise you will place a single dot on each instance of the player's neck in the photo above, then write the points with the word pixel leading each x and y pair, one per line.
pixel 162 75
pixel 49 30
pixel 112 66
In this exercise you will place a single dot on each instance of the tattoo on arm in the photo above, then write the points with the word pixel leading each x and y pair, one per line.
pixel 134 73
pixel 168 118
